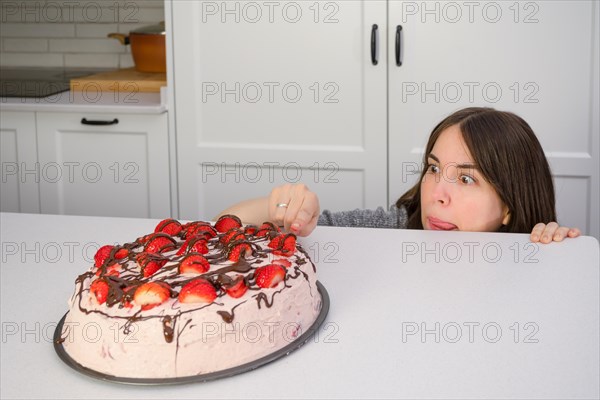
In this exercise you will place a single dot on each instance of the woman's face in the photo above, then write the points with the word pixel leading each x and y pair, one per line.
pixel 454 195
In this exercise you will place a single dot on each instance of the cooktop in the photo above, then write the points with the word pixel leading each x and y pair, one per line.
pixel 39 82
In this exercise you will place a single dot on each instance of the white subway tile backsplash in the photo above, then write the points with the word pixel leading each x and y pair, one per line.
pixel 85 46
pixel 36 30
pixel 95 13
pixel 145 15
pixel 149 3
pixel 25 45
pixel 126 60
pixel 126 28
pixel 95 30
pixel 71 33
pixel 32 60
pixel 90 60
pixel 143 3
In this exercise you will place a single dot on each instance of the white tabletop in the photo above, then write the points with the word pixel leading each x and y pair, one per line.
pixel 413 314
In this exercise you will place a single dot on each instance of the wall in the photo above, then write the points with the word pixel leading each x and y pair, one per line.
pixel 71 33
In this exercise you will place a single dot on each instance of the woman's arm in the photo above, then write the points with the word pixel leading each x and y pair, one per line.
pixel 294 207
pixel 546 233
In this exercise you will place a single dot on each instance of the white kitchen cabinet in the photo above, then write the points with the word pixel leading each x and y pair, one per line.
pixel 104 164
pixel 537 59
pixel 269 93
pixel 242 128
pixel 19 187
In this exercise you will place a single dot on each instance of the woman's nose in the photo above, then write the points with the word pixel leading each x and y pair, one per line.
pixel 442 189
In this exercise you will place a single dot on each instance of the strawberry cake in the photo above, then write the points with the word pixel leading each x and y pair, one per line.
pixel 191 299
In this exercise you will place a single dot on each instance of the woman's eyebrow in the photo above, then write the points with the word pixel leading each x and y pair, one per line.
pixel 461 166
pixel 432 156
pixel 467 166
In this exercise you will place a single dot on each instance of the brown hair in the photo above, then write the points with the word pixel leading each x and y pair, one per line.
pixel 509 157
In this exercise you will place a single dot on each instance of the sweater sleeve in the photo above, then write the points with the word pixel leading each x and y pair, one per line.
pixel 393 219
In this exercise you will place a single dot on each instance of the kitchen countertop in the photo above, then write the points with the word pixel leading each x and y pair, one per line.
pixel 414 314
pixel 92 101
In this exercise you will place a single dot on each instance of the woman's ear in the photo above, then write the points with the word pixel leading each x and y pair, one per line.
pixel 506 219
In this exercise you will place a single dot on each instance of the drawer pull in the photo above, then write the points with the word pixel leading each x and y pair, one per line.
pixel 86 121
pixel 374 29
pixel 399 45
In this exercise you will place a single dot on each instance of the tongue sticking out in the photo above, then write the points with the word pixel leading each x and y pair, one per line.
pixel 440 225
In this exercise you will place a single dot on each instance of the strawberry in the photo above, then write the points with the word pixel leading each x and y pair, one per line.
pixel 250 230
pixel 283 245
pixel 237 288
pixel 99 289
pixel 151 294
pixel 150 263
pixel 267 227
pixel 199 228
pixel 231 235
pixel 269 276
pixel 102 254
pixel 238 250
pixel 126 303
pixel 150 268
pixel 262 232
pixel 198 291
pixel 283 262
pixel 112 270
pixel 227 222
pixel 127 297
pixel 121 253
pixel 194 263
pixel 144 239
pixel 195 244
pixel 169 226
pixel 160 242
pixel 198 246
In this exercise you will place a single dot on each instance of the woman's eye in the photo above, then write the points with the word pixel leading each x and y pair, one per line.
pixel 433 168
pixel 466 179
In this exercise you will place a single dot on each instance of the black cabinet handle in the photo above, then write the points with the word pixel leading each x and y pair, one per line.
pixel 398 45
pixel 85 121
pixel 374 29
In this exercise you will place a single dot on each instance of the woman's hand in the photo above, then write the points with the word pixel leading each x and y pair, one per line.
pixel 295 208
pixel 546 233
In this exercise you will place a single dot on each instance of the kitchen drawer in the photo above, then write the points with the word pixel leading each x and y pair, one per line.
pixel 19 187
pixel 104 164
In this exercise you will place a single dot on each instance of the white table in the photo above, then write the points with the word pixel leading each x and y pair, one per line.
pixel 410 316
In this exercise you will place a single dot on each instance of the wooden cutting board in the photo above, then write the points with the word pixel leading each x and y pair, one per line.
pixel 122 80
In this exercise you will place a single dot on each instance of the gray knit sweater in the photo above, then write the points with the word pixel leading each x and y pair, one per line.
pixel 393 219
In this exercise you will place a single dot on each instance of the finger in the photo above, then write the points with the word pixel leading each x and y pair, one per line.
pixel 281 209
pixel 560 234
pixel 548 233
pixel 308 216
pixel 301 220
pixel 298 194
pixel 291 214
pixel 278 203
pixel 574 232
pixel 536 232
pixel 309 227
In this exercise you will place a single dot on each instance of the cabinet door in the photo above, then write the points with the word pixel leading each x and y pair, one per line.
pixel 119 170
pixel 537 59
pixel 19 188
pixel 279 92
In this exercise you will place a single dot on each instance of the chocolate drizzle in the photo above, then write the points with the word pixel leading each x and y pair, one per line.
pixel 228 316
pixel 124 275
pixel 168 328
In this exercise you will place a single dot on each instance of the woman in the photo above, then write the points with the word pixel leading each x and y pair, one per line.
pixel 485 172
